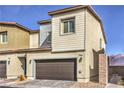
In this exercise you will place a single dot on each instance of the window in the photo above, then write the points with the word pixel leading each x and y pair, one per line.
pixel 68 25
pixel 4 38
pixel 65 27
pixel 49 37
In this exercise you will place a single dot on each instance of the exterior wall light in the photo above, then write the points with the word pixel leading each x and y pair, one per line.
pixel 80 72
pixel 8 61
pixel 80 58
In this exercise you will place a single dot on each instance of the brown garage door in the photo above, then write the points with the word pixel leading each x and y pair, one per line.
pixel 2 69
pixel 64 69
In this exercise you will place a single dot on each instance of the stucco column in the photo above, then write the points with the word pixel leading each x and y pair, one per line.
pixel 31 69
pixel 82 68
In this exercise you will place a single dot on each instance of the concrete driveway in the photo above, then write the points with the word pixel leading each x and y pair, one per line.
pixel 42 84
pixel 51 84
pixel 5 82
pixel 15 83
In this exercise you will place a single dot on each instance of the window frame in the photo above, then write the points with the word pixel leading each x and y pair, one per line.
pixel 68 27
pixel 1 37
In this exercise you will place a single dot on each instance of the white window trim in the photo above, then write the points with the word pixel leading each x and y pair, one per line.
pixel 62 27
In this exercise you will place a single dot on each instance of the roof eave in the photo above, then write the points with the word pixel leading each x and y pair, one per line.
pixel 99 19
pixel 16 24
pixel 44 21
pixel 24 50
pixel 66 9
pixel 23 27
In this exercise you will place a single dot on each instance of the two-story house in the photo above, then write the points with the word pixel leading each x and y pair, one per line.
pixel 76 37
pixel 68 48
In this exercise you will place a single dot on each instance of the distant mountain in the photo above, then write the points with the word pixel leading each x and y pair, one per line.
pixel 116 60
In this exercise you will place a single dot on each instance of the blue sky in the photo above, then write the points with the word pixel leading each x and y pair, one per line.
pixel 112 17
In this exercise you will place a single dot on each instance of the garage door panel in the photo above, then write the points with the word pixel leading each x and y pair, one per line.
pixel 57 69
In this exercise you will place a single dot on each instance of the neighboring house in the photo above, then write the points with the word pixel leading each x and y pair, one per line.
pixel 14 37
pixel 12 34
pixel 69 47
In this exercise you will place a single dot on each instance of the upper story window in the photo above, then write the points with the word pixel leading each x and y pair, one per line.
pixel 49 37
pixel 4 37
pixel 68 25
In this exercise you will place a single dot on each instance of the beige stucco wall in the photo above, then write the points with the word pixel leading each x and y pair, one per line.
pixel 93 35
pixel 14 69
pixel 70 41
pixel 34 37
pixel 17 38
